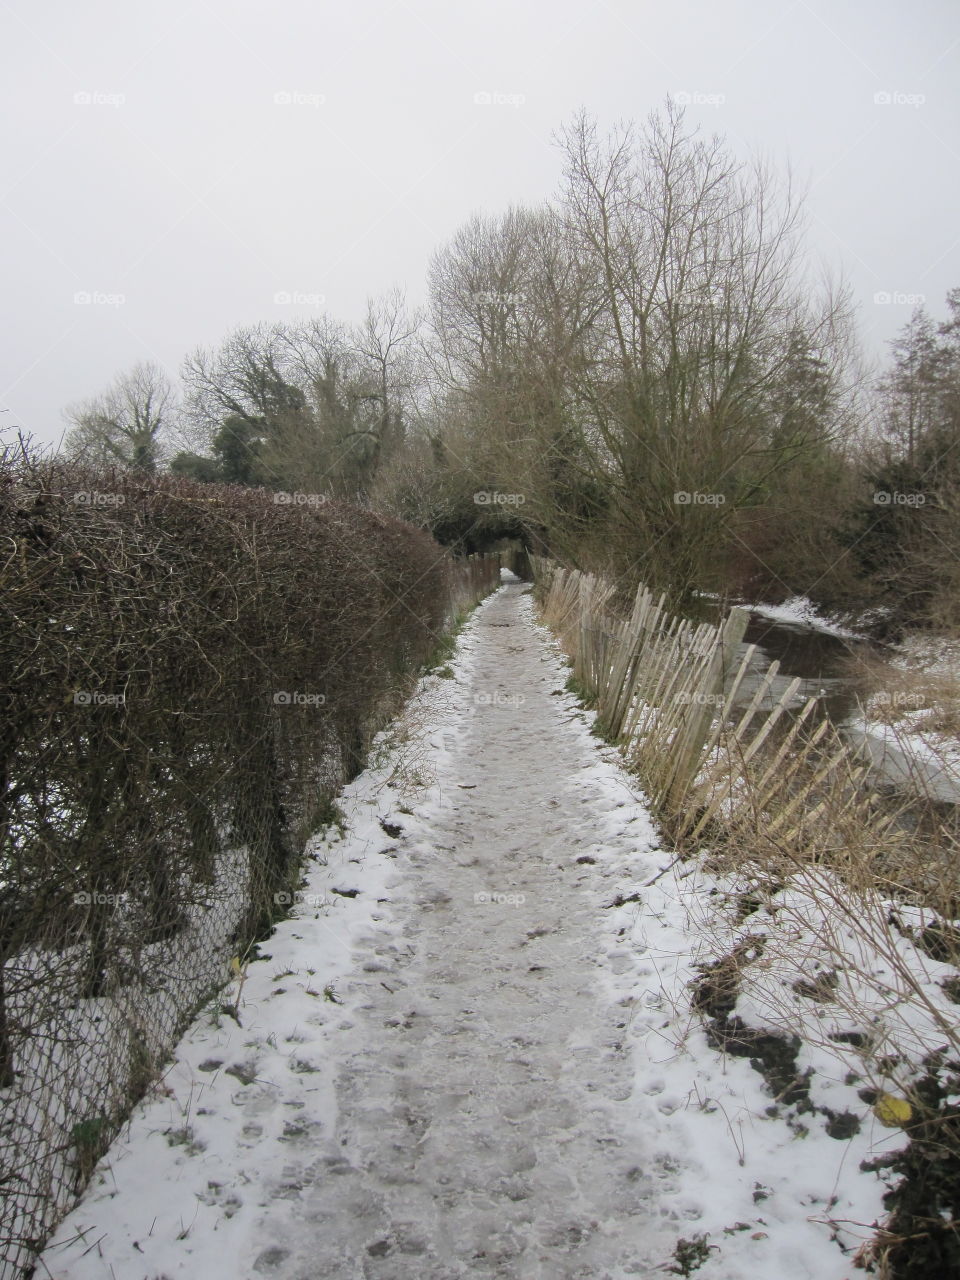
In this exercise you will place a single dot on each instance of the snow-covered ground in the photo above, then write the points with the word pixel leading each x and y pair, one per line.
pixel 903 724
pixel 911 755
pixel 802 612
pixel 897 729
pixel 471 1050
pixel 933 655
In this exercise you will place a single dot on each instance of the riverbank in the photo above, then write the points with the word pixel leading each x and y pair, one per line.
pixel 910 713
pixel 899 702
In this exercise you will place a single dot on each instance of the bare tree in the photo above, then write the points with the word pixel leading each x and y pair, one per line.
pixel 248 401
pixel 383 342
pixel 707 370
pixel 130 424
pixel 509 309
pixel 348 377
pixel 311 406
pixel 245 376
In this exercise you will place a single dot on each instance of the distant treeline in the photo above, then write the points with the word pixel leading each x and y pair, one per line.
pixel 639 376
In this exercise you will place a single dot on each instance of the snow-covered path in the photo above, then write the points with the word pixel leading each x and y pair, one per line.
pixel 470 1052
pixel 464 1108
pixel 485 1123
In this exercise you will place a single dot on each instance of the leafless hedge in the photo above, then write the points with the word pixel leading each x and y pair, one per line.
pixel 187 674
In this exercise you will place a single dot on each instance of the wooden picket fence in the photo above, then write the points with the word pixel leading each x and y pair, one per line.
pixel 665 689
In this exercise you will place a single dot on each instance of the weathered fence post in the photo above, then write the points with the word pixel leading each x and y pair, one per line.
pixel 687 758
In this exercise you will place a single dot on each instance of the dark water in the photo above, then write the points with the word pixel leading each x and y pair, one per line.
pixel 823 662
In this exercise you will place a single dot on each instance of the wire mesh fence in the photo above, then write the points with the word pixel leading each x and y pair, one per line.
pixel 189 673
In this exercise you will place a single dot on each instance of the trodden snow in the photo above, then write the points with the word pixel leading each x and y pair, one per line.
pixel 476 1065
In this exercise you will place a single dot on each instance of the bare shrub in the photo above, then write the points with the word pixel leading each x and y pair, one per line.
pixel 189 673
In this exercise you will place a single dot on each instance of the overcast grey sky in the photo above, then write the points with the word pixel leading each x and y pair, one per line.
pixel 196 159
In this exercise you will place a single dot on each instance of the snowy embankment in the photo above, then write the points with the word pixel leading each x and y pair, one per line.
pixel 910 724
pixel 803 612
pixel 471 1050
pixel 909 754
pixel 900 729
